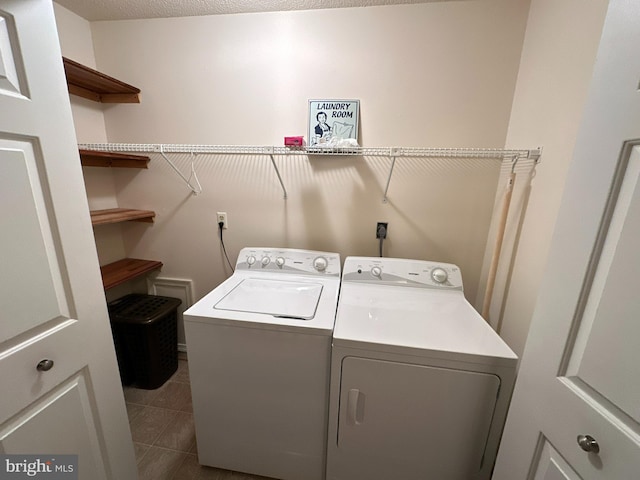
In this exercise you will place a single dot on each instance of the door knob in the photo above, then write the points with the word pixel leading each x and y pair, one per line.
pixel 44 365
pixel 588 443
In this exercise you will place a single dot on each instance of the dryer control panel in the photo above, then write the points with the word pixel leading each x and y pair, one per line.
pixel 402 272
pixel 289 260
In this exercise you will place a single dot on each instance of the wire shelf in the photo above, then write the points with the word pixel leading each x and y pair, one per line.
pixel 396 152
pixel 392 153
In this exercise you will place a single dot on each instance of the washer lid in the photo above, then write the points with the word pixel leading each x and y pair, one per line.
pixel 284 299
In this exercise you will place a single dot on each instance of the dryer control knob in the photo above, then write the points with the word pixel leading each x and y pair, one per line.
pixel 439 275
pixel 376 272
pixel 320 264
pixel 280 261
pixel 265 261
pixel 251 260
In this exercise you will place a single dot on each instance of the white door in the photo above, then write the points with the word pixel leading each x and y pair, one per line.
pixel 576 407
pixel 52 306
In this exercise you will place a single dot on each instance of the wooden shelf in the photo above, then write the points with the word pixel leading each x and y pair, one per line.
pixel 92 158
pixel 126 269
pixel 117 215
pixel 88 83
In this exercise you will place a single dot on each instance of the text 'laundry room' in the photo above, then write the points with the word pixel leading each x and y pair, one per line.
pixel 318 240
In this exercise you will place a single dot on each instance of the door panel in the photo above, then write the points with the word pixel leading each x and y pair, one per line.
pixel 10 65
pixel 67 411
pixel 551 466
pixel 28 258
pixel 612 307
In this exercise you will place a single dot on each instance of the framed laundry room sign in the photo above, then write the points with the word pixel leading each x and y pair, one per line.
pixel 332 121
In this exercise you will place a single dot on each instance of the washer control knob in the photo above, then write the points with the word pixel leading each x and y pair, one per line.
pixel 280 261
pixel 251 260
pixel 320 264
pixel 376 271
pixel 439 275
pixel 265 261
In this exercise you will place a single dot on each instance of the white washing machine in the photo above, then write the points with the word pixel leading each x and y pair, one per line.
pixel 420 383
pixel 259 349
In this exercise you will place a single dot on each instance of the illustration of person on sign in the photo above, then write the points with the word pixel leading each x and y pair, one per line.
pixel 322 129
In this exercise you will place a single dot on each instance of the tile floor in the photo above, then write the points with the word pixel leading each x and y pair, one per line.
pixel 163 432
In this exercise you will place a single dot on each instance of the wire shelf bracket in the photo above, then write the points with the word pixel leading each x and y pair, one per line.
pixel 273 162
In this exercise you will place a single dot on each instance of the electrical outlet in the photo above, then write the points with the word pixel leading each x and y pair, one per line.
pixel 381 230
pixel 222 217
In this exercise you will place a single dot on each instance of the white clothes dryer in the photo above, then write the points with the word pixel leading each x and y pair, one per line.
pixel 420 383
pixel 259 348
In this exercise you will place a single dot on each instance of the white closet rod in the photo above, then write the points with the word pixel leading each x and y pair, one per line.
pixel 271 150
pixel 391 152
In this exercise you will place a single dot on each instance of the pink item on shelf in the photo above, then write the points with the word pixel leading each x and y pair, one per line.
pixel 293 141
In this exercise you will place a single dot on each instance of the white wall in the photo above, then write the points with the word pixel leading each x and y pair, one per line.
pixel 427 75
pixel 557 61
pixel 76 43
pixel 436 75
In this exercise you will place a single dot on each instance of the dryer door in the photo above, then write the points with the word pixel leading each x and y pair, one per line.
pixel 408 421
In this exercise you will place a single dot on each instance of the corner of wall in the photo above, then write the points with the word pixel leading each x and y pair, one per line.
pixel 76 43
pixel 555 71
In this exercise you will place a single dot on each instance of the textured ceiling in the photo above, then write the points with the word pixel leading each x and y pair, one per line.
pixel 93 10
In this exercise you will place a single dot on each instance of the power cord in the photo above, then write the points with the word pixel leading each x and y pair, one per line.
pixel 220 225
pixel 381 233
